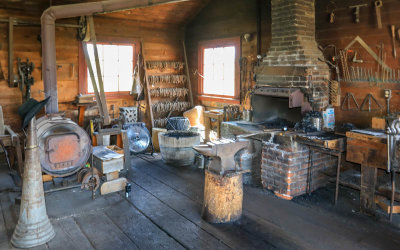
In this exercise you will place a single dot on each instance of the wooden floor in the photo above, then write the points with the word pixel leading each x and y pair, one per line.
pixel 163 212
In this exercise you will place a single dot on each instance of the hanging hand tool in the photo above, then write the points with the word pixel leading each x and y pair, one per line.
pixel 378 5
pixel 368 49
pixel 331 7
pixel 393 28
pixel 25 78
pixel 357 11
pixel 398 34
pixel 370 98
pixel 346 104
pixel 355 60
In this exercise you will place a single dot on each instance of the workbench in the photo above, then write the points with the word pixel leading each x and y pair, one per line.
pixel 367 148
pixel 326 143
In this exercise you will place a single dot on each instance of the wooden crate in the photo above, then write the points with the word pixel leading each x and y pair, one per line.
pixel 108 166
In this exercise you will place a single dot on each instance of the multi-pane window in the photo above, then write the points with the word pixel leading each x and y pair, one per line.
pixel 219 71
pixel 116 63
pixel 219 68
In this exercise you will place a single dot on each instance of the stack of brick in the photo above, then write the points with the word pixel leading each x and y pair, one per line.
pixel 292 60
pixel 286 169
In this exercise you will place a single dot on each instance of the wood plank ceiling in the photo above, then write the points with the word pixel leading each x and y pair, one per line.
pixel 174 13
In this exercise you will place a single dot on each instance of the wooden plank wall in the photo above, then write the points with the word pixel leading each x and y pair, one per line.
pixel 221 19
pixel 343 31
pixel 160 42
pixel 233 18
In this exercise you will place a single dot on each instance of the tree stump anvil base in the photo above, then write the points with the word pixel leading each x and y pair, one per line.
pixel 223 197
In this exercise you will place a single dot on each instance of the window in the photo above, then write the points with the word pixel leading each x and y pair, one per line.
pixel 117 61
pixel 219 68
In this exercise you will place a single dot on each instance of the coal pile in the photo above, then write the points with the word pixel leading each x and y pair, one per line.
pixel 306 124
pixel 277 123
pixel 180 134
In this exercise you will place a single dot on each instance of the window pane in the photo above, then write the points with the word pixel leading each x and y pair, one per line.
pixel 125 53
pixel 90 86
pixel 111 84
pixel 125 68
pixel 110 68
pixel 219 71
pixel 125 82
pixel 111 53
pixel 116 63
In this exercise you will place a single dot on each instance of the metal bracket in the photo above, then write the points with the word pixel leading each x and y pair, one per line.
pixel 347 99
pixel 368 98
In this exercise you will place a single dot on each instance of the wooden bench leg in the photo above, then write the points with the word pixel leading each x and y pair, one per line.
pixel 367 189
pixel 339 159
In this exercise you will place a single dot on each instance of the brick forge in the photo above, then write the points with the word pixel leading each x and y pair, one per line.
pixel 292 60
pixel 286 167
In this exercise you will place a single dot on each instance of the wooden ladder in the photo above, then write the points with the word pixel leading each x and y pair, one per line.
pixel 155 118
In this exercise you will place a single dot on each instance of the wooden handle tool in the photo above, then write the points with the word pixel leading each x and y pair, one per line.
pixel 398 34
pixel 393 40
pixel 378 5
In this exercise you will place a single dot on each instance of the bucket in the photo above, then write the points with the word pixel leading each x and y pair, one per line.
pixel 247 115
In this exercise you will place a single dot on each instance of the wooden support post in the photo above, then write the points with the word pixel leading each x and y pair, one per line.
pixel 223 197
pixel 367 189
pixel 106 117
pixel 81 115
pixel 189 85
pixel 148 99
pixel 127 152
pixel 11 52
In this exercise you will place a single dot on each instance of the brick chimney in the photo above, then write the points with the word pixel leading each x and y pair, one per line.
pixel 292 60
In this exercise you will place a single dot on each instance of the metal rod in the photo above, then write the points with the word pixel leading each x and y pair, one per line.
pixel 338 177
pixel 61 188
pixel 18 22
pixel 393 172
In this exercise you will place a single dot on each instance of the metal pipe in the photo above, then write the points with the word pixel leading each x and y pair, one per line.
pixel 53 13
pixel 31 23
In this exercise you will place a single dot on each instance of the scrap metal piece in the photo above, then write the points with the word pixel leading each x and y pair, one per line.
pixel 90 178
pixel 347 99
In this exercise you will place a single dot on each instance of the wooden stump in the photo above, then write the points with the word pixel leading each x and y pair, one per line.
pixel 223 197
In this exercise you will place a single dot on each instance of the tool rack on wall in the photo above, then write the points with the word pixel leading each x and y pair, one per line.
pixel 168 90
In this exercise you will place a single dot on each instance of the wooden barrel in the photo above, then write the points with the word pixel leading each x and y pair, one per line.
pixel 176 147
pixel 223 197
pixel 155 132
